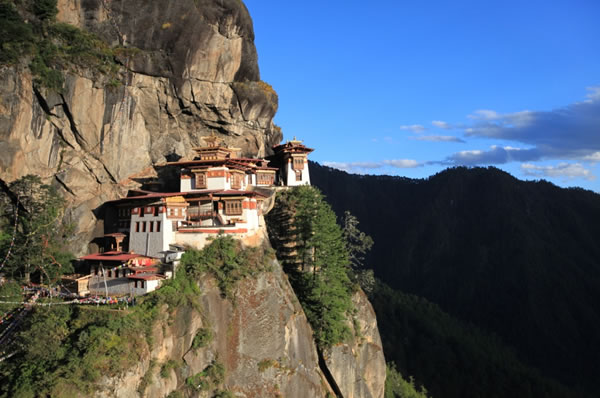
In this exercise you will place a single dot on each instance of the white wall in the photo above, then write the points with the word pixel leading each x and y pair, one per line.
pixel 291 175
pixel 185 184
pixel 150 243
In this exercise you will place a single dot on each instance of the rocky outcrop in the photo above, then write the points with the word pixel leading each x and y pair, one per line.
pixel 358 366
pixel 194 72
pixel 262 339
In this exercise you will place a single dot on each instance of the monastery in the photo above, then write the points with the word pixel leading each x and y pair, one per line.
pixel 219 193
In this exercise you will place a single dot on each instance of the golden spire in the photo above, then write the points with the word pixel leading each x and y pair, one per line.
pixel 211 140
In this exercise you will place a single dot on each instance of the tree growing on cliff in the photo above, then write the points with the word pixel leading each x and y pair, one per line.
pixel 34 236
pixel 318 264
pixel 358 244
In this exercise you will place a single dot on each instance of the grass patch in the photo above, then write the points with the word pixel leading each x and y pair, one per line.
pixel 202 338
pixel 28 31
pixel 266 364
pixel 76 345
pixel 210 378
pixel 228 261
pixel 165 369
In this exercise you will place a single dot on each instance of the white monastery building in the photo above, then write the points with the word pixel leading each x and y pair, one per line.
pixel 219 193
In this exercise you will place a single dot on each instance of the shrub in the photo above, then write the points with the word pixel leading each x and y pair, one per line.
pixel 211 377
pixel 203 337
pixel 165 369
pixel 227 261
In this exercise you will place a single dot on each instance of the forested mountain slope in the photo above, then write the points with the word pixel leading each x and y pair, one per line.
pixel 519 259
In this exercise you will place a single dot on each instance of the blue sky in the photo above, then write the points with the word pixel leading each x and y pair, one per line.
pixel 412 87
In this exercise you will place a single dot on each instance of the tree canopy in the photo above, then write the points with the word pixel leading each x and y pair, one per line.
pixel 33 233
pixel 311 245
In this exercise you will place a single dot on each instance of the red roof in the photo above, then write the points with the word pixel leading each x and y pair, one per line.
pixel 146 276
pixel 154 195
pixel 112 256
pixel 224 192
pixel 115 235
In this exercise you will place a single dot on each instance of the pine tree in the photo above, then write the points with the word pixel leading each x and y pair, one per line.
pixel 37 246
pixel 319 271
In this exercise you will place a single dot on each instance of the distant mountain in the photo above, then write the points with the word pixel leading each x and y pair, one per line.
pixel 519 259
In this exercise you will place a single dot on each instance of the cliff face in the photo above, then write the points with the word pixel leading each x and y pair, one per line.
pixel 263 341
pixel 358 366
pixel 194 71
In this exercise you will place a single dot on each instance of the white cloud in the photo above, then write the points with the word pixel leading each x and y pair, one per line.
pixel 402 163
pixel 437 138
pixel 363 167
pixel 594 157
pixel 441 124
pixel 561 170
pixel 353 166
pixel 495 155
pixel 570 132
pixel 415 128
pixel 484 114
pixel 593 95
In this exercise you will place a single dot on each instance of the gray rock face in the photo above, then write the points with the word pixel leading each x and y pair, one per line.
pixel 358 367
pixel 196 72
pixel 263 340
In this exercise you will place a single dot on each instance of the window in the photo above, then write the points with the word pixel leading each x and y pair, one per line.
pixel 298 163
pixel 236 180
pixel 151 226
pixel 109 273
pixel 298 175
pixel 156 210
pixel 135 284
pixel 142 284
pixel 144 226
pixel 200 180
pixel 116 273
pixel 265 179
pixel 158 226
pixel 137 226
pixel 233 207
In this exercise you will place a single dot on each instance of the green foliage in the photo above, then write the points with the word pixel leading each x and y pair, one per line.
pixel 440 350
pixel 65 350
pixel 210 378
pixel 16 37
pixel 165 369
pixel 227 261
pixel 517 258
pixel 41 236
pixel 266 364
pixel 10 291
pixel 358 244
pixel 202 338
pixel 397 387
pixel 54 48
pixel 45 9
pixel 318 265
